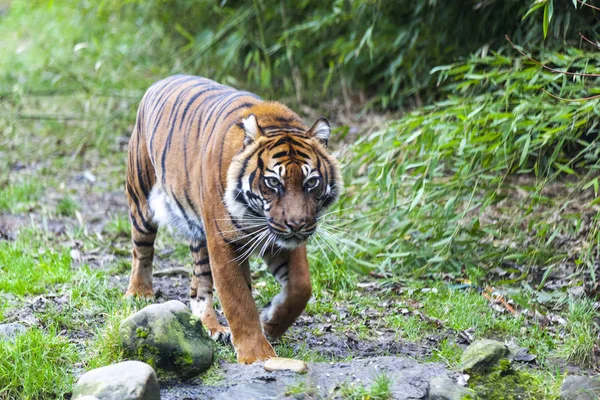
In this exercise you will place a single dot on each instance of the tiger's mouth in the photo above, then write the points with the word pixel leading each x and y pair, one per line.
pixel 291 239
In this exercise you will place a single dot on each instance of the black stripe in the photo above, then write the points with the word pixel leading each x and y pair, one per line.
pixel 285 140
pixel 193 99
pixel 203 261
pixel 197 248
pixel 160 103
pixel 190 223
pixel 285 274
pixel 143 244
pixel 171 123
pixel 301 154
pixel 205 273
pixel 279 268
pixel 285 120
pixel 284 127
pixel 138 228
pixel 132 194
pixel 280 154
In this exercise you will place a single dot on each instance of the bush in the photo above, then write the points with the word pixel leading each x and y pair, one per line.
pixel 429 189
pixel 314 50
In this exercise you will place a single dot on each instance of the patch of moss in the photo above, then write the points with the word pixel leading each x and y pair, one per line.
pixel 141 333
pixel 184 361
pixel 148 354
pixel 214 376
pixel 506 383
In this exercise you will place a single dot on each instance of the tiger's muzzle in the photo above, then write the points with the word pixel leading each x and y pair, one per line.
pixel 292 233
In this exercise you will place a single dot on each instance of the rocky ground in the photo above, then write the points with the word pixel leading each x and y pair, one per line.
pixel 408 380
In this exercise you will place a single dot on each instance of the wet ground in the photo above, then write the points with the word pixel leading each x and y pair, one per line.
pixel 408 380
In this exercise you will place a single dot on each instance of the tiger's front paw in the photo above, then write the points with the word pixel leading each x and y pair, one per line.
pixel 250 351
pixel 140 292
pixel 219 333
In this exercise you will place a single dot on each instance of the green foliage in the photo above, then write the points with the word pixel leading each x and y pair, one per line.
pixel 312 50
pixel 27 267
pixel 36 365
pixel 420 190
pixel 506 383
pixel 118 225
pixel 67 206
pixel 379 390
pixel 583 333
pixel 301 389
pixel 20 197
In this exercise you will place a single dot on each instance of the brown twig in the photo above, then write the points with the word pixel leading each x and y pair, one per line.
pixel 571 100
pixel 547 67
pixel 588 5
pixel 487 294
pixel 589 41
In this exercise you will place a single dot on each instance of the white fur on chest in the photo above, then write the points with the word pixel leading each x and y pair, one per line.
pixel 180 219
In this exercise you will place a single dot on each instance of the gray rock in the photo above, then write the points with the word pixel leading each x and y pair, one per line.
pixel 129 380
pixel 482 354
pixel 408 380
pixel 580 388
pixel 169 338
pixel 11 331
pixel 444 388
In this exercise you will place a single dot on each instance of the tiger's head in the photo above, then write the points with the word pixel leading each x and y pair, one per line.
pixel 283 179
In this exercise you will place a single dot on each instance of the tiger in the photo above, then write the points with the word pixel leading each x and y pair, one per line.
pixel 234 176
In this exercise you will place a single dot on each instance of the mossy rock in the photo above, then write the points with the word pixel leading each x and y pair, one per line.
pixel 482 355
pixel 169 338
pixel 506 383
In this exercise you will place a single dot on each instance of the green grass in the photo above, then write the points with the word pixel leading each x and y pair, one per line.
pixel 378 390
pixel 20 197
pixel 581 342
pixel 67 207
pixel 29 267
pixel 37 365
pixel 118 225
pixel 301 389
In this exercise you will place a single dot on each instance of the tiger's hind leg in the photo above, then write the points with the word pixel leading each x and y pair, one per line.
pixel 140 281
pixel 201 293
pixel 140 179
pixel 290 268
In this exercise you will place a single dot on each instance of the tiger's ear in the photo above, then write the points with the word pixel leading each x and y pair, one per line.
pixel 321 131
pixel 251 129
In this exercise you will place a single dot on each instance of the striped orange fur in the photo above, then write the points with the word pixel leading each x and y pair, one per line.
pixel 233 176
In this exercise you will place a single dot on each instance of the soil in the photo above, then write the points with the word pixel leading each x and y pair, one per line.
pixel 408 380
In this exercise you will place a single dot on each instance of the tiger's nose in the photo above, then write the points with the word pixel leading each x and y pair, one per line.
pixel 295 225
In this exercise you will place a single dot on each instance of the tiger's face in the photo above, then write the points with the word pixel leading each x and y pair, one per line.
pixel 282 182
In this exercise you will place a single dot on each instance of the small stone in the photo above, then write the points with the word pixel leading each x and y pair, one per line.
pixel 169 338
pixel 444 388
pixel 11 331
pixel 285 364
pixel 482 354
pixel 580 388
pixel 128 380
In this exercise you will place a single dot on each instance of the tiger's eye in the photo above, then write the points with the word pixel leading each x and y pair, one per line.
pixel 312 183
pixel 272 182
